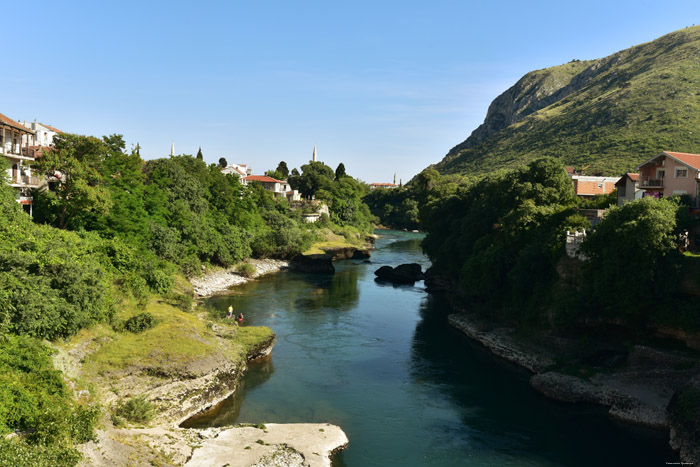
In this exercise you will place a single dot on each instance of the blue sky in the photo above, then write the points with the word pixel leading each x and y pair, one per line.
pixel 382 86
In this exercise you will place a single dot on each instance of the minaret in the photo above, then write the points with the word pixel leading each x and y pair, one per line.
pixel 314 156
pixel 172 148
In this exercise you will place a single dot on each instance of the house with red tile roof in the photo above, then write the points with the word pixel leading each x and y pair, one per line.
pixel 279 188
pixel 671 173
pixel 15 139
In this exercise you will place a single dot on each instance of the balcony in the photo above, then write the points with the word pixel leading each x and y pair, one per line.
pixel 25 181
pixel 649 182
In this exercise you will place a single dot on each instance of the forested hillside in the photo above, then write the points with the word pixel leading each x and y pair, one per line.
pixel 612 113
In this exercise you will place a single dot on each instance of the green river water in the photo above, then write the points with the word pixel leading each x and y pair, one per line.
pixel 381 362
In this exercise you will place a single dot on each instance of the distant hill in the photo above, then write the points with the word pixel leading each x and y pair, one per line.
pixel 612 113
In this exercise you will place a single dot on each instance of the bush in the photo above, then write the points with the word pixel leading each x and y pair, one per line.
pixel 17 452
pixel 136 285
pixel 246 270
pixel 136 410
pixel 139 323
pixel 34 399
pixel 158 280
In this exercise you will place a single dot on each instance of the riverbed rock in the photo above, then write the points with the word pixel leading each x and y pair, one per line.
pixel 297 444
pixel 500 342
pixel 316 264
pixel 401 274
pixel 684 416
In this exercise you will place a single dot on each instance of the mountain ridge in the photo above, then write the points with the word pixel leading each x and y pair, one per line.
pixel 610 113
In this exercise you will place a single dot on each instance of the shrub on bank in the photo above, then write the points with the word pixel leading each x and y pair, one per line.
pixel 246 270
pixel 136 410
pixel 141 322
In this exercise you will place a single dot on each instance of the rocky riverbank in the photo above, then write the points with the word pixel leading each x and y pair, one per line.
pixel 221 280
pixel 636 386
pixel 185 365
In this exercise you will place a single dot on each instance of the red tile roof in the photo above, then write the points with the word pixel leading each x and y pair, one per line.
pixel 51 128
pixel 5 120
pixel 261 178
pixel 692 160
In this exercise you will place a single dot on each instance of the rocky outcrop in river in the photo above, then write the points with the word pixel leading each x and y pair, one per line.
pixel 401 274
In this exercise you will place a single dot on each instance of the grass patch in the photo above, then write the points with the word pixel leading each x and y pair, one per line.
pixel 178 337
pixel 251 337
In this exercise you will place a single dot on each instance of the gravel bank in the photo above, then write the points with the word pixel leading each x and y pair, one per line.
pixel 221 280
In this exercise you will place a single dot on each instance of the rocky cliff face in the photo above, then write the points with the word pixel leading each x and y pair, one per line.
pixel 534 91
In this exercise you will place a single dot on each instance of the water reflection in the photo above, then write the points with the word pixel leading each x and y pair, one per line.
pixel 339 292
pixel 516 424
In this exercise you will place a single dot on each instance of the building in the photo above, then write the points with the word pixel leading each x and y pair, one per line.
pixel 44 134
pixel 586 186
pixel 15 141
pixel 628 188
pixel 241 170
pixel 374 186
pixel 670 173
pixel 279 188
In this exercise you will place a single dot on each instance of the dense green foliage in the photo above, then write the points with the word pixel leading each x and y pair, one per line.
pixel 342 193
pixel 34 399
pixel 403 207
pixel 633 257
pixel 612 114
pixel 502 236
pixel 502 240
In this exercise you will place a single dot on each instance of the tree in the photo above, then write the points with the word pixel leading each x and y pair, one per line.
pixel 76 161
pixel 315 176
pixel 632 255
pixel 222 163
pixel 340 171
pixel 283 169
pixel 199 154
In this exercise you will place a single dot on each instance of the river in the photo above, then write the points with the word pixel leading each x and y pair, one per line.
pixel 381 362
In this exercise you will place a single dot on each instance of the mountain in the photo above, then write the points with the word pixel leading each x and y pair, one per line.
pixel 611 114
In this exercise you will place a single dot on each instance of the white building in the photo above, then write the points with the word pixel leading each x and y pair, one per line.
pixel 44 134
pixel 16 142
pixel 241 170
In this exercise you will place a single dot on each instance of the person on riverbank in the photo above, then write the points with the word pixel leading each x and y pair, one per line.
pixel 230 311
pixel 240 319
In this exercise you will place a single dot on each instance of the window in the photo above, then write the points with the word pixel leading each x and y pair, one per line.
pixel 660 173
pixel 681 172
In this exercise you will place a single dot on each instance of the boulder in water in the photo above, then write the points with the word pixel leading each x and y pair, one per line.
pixel 401 274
